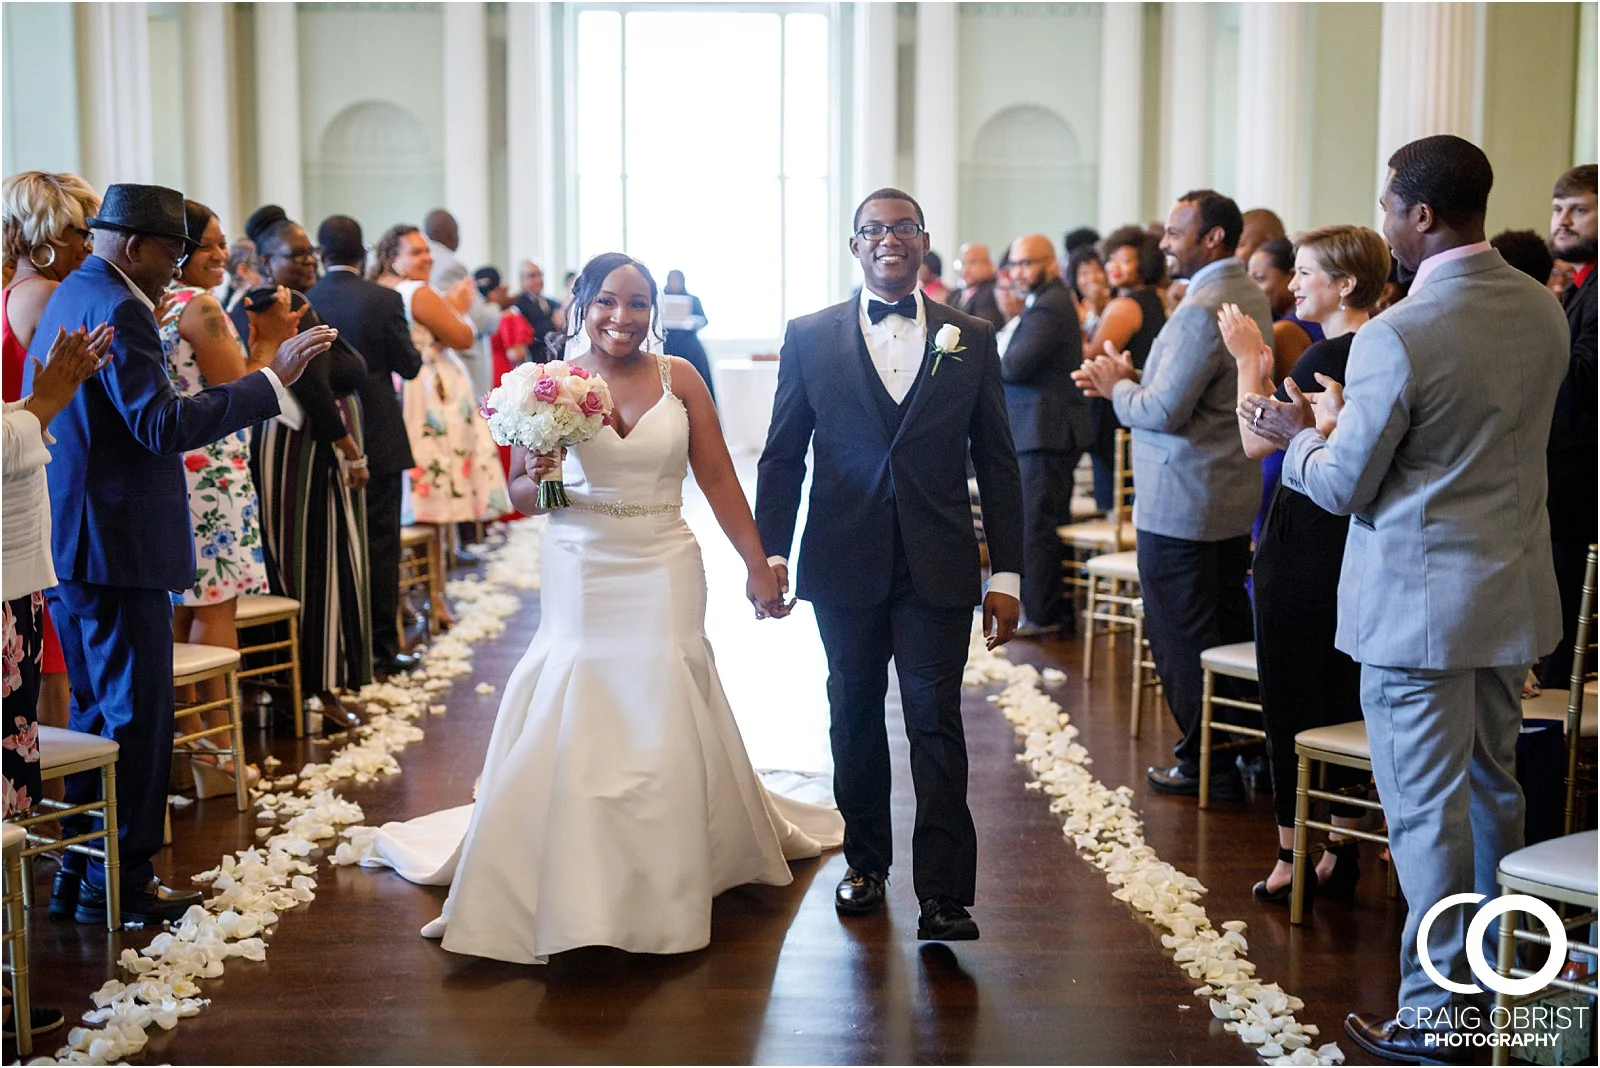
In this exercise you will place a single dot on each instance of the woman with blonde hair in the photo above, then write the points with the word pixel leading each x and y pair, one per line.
pixel 46 238
pixel 1339 273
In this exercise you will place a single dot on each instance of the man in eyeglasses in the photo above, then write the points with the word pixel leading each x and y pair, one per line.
pixel 890 392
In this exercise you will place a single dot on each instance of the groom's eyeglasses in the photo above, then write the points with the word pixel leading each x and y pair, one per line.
pixel 874 231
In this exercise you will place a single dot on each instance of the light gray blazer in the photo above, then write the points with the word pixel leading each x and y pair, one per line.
pixel 1191 478
pixel 1439 457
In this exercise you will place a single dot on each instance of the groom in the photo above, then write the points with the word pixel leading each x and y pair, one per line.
pixel 892 392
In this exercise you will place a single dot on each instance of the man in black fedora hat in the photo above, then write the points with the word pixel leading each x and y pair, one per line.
pixel 120 532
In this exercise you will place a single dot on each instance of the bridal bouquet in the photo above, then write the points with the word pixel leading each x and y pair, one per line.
pixel 545 407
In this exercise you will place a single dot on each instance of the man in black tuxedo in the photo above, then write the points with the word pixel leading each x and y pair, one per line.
pixel 976 295
pixel 1049 424
pixel 372 319
pixel 891 391
pixel 1571 455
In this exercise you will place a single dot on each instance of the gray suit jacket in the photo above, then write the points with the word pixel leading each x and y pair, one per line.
pixel 1439 458
pixel 1191 479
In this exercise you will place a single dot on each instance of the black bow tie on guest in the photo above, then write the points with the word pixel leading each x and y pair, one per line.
pixel 905 307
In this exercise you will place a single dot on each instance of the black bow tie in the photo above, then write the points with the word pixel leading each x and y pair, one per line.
pixel 905 307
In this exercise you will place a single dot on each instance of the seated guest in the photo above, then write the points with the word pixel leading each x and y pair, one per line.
pixel 1305 681
pixel 1271 267
pixel 1527 252
pixel 120 529
pixel 373 320
pixel 1135 265
pixel 310 469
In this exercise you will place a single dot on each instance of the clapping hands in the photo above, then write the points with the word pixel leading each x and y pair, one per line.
pixel 73 359
pixel 1099 376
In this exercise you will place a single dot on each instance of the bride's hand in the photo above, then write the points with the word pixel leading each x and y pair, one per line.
pixel 544 466
pixel 765 593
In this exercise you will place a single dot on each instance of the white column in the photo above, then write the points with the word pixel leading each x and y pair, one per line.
pixel 938 98
pixel 1121 113
pixel 1186 112
pixel 280 175
pixel 1428 79
pixel 212 167
pixel 876 61
pixel 117 130
pixel 1270 161
pixel 530 141
pixel 466 125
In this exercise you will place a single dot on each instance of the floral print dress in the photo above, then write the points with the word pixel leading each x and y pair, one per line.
pixel 21 655
pixel 223 509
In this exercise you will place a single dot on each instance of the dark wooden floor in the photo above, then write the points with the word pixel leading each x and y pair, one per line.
pixel 1063 974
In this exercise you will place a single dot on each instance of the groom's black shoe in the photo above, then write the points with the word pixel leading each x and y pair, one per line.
pixel 942 920
pixel 859 893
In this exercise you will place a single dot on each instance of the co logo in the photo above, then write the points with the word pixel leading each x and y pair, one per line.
pixel 1481 968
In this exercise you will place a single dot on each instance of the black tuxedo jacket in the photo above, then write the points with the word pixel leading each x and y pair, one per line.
pixel 1048 411
pixel 884 469
pixel 979 300
pixel 1572 457
pixel 372 318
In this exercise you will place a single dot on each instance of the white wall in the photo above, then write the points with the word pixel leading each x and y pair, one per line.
pixel 40 128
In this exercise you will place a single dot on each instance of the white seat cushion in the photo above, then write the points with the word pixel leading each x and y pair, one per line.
pixel 1123 566
pixel 1346 739
pixel 252 606
pixel 58 747
pixel 1237 661
pixel 15 838
pixel 1095 533
pixel 1085 508
pixel 190 659
pixel 1568 862
pixel 1552 704
pixel 415 537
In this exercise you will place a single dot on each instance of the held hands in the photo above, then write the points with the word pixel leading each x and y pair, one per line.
pixel 1000 615
pixel 277 322
pixel 766 588
pixel 1099 376
pixel 293 355
pixel 1275 421
pixel 73 359
pixel 1243 338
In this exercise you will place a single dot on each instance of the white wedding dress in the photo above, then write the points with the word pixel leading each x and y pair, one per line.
pixel 616 798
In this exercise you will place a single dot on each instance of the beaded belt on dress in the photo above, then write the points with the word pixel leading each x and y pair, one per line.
pixel 627 511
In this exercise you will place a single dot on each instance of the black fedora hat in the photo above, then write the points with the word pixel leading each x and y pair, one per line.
pixel 143 209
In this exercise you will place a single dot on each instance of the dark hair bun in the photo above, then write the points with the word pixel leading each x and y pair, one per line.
pixel 263 219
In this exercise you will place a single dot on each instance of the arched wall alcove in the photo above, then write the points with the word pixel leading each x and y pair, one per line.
pixel 376 161
pixel 1024 172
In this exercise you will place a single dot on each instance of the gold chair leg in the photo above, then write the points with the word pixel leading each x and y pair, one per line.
pixel 112 848
pixel 1302 812
pixel 21 1001
pixel 1208 686
pixel 296 698
pixel 1136 701
pixel 1507 959
pixel 436 580
pixel 1088 629
pixel 241 787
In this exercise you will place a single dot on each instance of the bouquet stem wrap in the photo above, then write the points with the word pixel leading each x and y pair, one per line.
pixel 553 494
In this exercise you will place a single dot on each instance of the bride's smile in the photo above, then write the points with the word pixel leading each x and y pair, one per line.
pixel 618 320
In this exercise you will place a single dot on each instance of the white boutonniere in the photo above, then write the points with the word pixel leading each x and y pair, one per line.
pixel 947 342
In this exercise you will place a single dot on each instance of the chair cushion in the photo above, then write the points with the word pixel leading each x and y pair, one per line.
pixel 14 839
pixel 58 746
pixel 1346 739
pixel 1568 862
pixel 1552 704
pixel 1096 533
pixel 1085 508
pixel 1124 565
pixel 252 606
pixel 189 659
pixel 415 537
pixel 1237 661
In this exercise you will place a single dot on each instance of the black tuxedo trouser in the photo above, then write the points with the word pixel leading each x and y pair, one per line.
pixel 1047 482
pixel 117 642
pixel 1194 599
pixel 929 647
pixel 383 559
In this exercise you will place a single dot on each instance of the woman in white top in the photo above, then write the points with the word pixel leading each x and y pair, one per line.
pixel 26 562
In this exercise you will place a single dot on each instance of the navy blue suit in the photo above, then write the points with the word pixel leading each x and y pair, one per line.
pixel 121 538
pixel 889 560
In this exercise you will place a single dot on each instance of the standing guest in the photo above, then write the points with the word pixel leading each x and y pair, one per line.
pixel 451 276
pixel 1198 491
pixel 537 309
pixel 46 238
pixel 1134 267
pixel 1010 303
pixel 1082 237
pixel 509 345
pixel 373 320
pixel 1396 288
pixel 120 529
pixel 1271 266
pixel 930 278
pixel 976 295
pixel 202 350
pixel 1049 426
pixel 1527 252
pixel 1260 226
pixel 1305 681
pixel 1573 441
pixel 683 338
pixel 242 274
pixel 310 470
pixel 457 477
pixel 1090 287
pixel 1447 594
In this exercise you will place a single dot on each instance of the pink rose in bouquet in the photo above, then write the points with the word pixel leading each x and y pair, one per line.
pixel 545 408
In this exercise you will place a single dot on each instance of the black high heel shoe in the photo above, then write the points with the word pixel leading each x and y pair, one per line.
pixel 1281 895
pixel 1341 885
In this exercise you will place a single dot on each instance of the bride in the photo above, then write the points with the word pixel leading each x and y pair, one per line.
pixel 617 798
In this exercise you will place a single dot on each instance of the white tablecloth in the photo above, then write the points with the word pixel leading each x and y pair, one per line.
pixel 745 389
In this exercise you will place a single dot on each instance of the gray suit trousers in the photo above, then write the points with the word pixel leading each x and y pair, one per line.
pixel 1444 749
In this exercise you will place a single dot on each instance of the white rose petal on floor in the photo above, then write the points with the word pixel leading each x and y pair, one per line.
pixel 252 888
pixel 1103 825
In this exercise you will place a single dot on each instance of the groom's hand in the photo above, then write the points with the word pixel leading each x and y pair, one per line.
pixel 1000 615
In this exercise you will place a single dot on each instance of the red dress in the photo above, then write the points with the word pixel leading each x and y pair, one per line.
pixel 13 363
